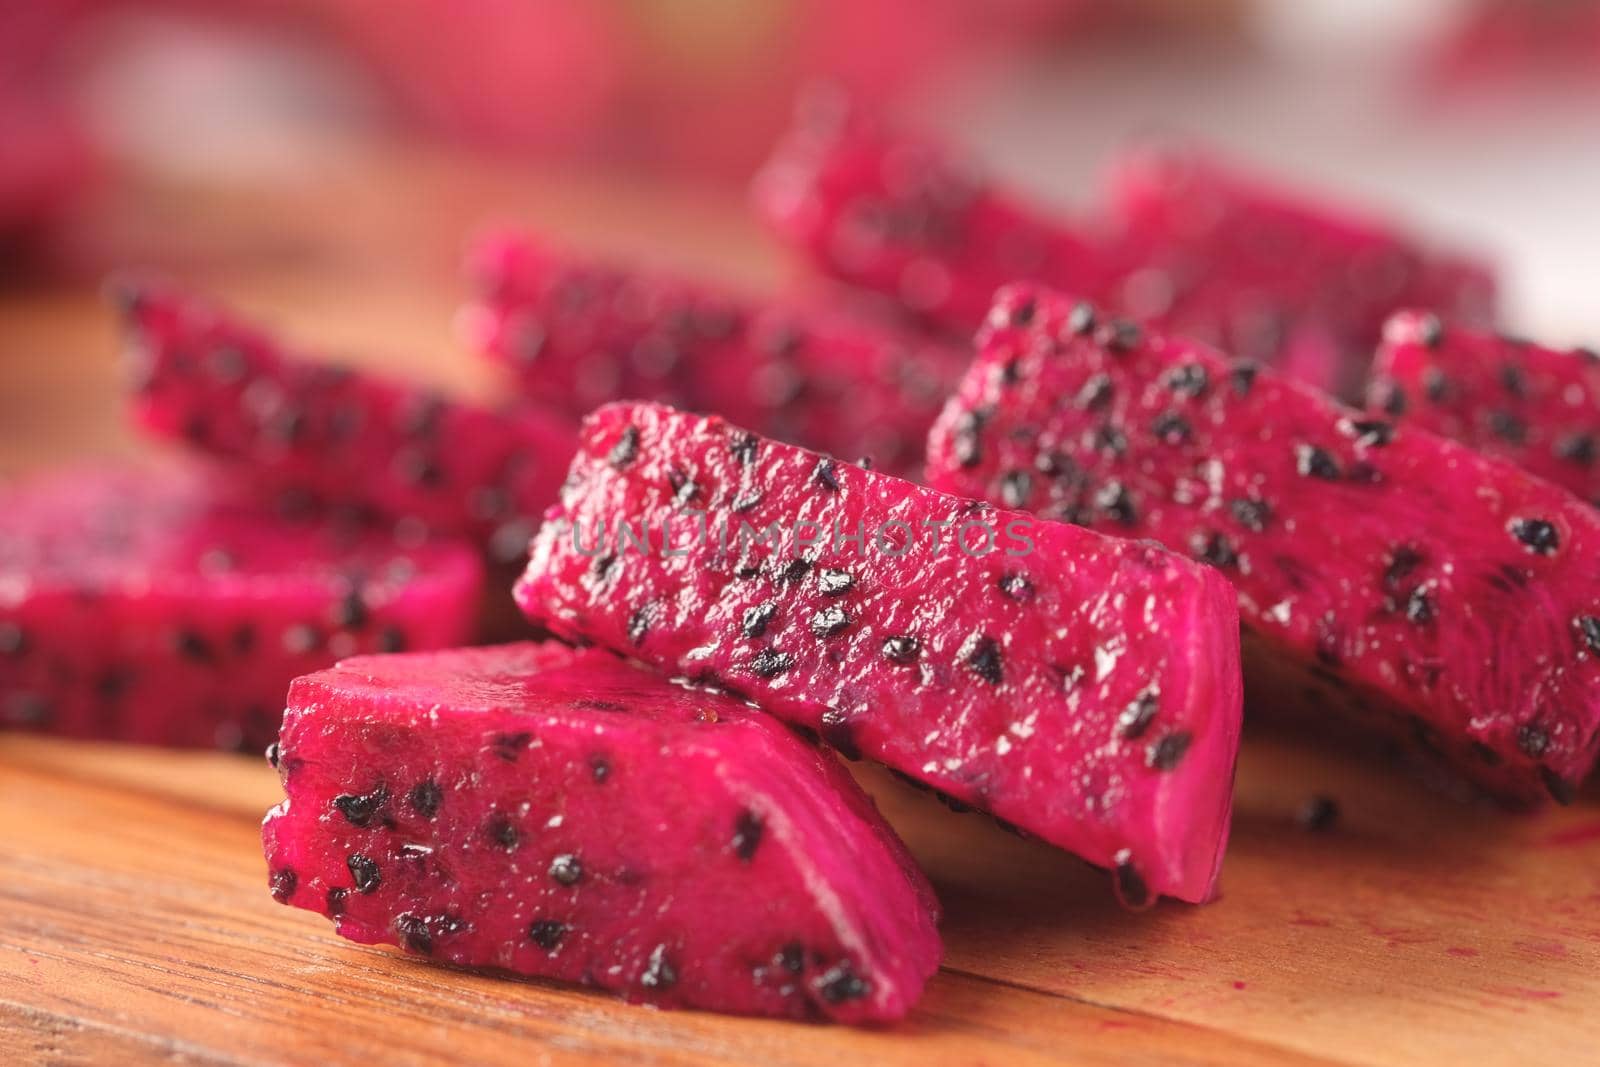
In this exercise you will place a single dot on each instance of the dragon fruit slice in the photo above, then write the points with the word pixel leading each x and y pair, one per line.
pixel 1537 407
pixel 1431 588
pixel 1083 688
pixel 567 814
pixel 900 216
pixel 578 334
pixel 152 606
pixel 1339 273
pixel 319 433
pixel 1264 274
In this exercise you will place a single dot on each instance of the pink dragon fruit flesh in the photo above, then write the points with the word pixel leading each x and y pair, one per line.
pixel 578 333
pixel 312 432
pixel 1265 274
pixel 569 815
pixel 1186 215
pixel 1445 595
pixel 1082 688
pixel 1537 407
pixel 152 605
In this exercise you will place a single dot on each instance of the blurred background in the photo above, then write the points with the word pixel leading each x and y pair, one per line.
pixel 322 162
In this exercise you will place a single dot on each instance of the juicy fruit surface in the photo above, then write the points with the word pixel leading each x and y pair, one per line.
pixel 579 333
pixel 900 216
pixel 1311 279
pixel 318 433
pixel 1537 407
pixel 152 606
pixel 1448 593
pixel 566 814
pixel 1262 273
pixel 1085 689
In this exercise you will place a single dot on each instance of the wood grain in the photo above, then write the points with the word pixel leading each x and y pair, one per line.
pixel 135 925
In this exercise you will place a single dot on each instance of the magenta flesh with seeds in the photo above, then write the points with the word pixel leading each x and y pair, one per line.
pixel 721 862
pixel 1437 592
pixel 158 605
pixel 996 674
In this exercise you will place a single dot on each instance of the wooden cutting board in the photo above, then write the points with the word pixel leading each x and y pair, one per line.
pixel 135 922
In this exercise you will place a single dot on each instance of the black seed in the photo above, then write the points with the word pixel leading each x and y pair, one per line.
pixel 755 620
pixel 1539 536
pixel 1393 399
pixel 1430 331
pixel 391 639
pixel 1023 313
pixel 834 582
pixel 747 830
pixel 1577 448
pixel 1128 882
pixel 509 746
pixel 1243 376
pixel 1115 502
pixel 283 883
pixel 794 570
pixel 414 933
pixel 746 501
pixel 1080 320
pixel 1214 548
pixel 684 488
pixel 547 934
pixel 1589 626
pixel 1096 392
pixel 600 767
pixel 336 897
pixel 1189 379
pixel 1137 716
pixel 566 869
pixel 840 984
pixel 1508 426
pixel 274 753
pixel 659 973
pixel 359 808
pixel 1118 335
pixel 839 735
pixel 626 450
pixel 113 684
pixel 425 798
pixel 418 469
pixel 1165 753
pixel 791 957
pixel 1251 514
pixel 1563 791
pixel 639 622
pixel 1532 739
pixel 1402 561
pixel 1110 439
pixel 981 654
pixel 1419 606
pixel 1170 428
pixel 1319 814
pixel 902 648
pixel 12 640
pixel 968 452
pixel 502 831
pixel 743 446
pixel 1316 463
pixel 365 871
pixel 770 664
pixel 826 476
pixel 1371 433
pixel 350 612
pixel 190 645
pixel 1512 381
pixel 830 621
pixel 1015 585
pixel 1433 384
pixel 1015 486
pixel 244 639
